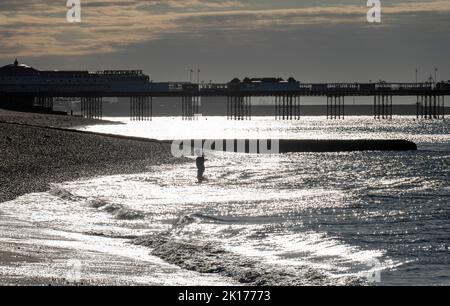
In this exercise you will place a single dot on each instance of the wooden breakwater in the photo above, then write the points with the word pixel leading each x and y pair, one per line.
pixel 274 146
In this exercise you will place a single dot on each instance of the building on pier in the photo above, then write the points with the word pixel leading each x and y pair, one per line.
pixel 14 77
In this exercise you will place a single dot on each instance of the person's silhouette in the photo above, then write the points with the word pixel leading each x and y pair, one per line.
pixel 200 162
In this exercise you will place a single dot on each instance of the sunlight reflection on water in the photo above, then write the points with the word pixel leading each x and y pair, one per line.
pixel 332 212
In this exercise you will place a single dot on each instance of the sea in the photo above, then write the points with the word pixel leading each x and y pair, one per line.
pixel 351 218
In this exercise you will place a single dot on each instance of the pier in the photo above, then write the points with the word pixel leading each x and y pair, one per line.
pixel 24 87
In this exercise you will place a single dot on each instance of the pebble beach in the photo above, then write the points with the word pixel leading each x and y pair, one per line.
pixel 37 150
pixel 35 154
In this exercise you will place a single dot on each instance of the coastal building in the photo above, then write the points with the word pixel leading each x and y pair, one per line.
pixel 23 79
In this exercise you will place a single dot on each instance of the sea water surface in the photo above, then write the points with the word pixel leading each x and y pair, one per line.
pixel 282 219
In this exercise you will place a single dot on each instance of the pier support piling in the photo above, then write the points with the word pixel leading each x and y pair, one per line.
pixel 382 106
pixel 141 108
pixel 239 107
pixel 44 102
pixel 190 107
pixel 92 107
pixel 287 107
pixel 430 107
pixel 335 107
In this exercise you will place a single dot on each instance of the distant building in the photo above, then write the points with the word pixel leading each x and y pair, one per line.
pixel 16 70
pixel 22 79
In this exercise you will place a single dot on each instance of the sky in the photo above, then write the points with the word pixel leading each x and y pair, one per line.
pixel 311 40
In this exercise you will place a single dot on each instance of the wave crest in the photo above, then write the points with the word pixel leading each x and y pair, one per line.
pixel 62 193
pixel 119 211
pixel 122 213
pixel 206 257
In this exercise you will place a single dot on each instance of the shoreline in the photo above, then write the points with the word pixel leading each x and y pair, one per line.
pixel 48 120
pixel 38 150
pixel 35 155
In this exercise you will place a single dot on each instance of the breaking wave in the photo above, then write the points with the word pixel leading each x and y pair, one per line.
pixel 63 193
pixel 207 257
pixel 119 211
pixel 197 218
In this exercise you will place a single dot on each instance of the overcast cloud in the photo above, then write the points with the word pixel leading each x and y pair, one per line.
pixel 312 40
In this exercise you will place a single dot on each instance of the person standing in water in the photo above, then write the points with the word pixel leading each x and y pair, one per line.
pixel 200 162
